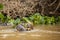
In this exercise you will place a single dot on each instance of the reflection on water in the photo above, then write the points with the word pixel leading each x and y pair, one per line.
pixel 39 33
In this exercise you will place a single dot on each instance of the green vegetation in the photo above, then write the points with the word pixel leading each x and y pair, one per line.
pixel 26 19
pixel 32 19
pixel 1 6
pixel 38 19
pixel 1 17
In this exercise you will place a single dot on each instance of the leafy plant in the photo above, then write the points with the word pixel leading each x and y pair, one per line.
pixel 17 21
pixel 1 6
pixel 37 19
pixel 32 19
pixel 27 20
pixel 50 20
pixel 11 21
pixel 57 19
pixel 2 17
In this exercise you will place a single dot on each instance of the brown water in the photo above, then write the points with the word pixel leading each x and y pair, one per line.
pixel 39 33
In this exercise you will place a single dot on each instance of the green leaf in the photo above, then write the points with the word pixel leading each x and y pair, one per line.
pixel 8 17
pixel 11 21
pixel 17 21
pixel 27 20
pixel 1 6
pixel 1 15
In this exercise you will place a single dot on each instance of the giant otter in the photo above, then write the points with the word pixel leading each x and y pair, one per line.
pixel 21 27
pixel 29 27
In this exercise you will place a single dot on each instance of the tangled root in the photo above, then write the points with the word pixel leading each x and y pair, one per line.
pixel 22 8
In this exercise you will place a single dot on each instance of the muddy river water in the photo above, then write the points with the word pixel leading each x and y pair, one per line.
pixel 39 33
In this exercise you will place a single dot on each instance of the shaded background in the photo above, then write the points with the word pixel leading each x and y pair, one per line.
pixel 22 8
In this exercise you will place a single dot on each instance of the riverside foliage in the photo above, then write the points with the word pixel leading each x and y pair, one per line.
pixel 36 18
